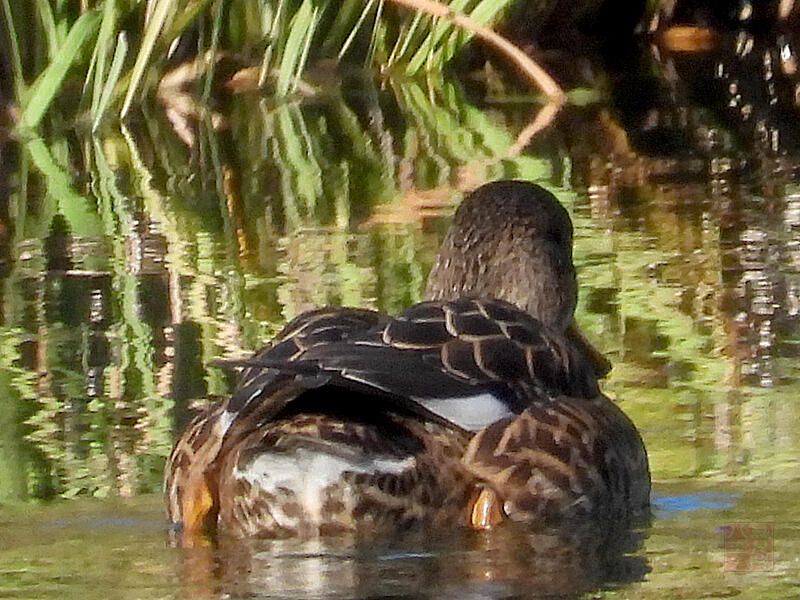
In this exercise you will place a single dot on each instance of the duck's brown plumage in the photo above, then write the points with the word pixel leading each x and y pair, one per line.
pixel 464 409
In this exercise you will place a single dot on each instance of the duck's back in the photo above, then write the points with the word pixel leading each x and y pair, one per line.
pixel 565 458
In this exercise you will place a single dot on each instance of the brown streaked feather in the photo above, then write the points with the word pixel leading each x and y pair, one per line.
pixel 319 327
pixel 453 349
pixel 189 485
pixel 563 458
pixel 357 502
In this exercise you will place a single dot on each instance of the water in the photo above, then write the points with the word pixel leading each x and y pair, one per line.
pixel 116 549
pixel 130 261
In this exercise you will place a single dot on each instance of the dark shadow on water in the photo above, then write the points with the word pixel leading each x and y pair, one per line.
pixel 510 562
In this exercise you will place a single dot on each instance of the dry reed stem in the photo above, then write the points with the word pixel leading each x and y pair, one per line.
pixel 525 63
pixel 529 67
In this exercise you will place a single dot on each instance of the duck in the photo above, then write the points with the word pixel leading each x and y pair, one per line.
pixel 479 405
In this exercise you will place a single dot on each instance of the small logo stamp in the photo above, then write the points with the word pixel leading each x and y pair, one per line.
pixel 749 547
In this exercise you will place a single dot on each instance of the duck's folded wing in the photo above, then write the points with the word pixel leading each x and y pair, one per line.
pixel 319 327
pixel 468 362
pixel 491 340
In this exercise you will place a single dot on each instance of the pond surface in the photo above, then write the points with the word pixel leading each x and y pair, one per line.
pixel 705 541
pixel 131 259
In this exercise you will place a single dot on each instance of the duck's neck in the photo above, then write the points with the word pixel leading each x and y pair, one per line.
pixel 539 281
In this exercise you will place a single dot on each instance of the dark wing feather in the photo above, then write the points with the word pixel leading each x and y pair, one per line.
pixel 319 327
pixel 440 360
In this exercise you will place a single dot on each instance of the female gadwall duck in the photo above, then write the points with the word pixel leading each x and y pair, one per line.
pixel 478 405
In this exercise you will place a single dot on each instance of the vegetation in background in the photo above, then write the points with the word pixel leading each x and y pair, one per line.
pixel 111 54
pixel 132 255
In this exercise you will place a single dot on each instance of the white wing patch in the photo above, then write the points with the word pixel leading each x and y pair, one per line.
pixel 225 420
pixel 470 412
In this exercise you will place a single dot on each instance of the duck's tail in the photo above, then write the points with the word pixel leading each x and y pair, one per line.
pixel 309 470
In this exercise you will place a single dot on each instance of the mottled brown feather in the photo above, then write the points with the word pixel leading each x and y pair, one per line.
pixel 563 458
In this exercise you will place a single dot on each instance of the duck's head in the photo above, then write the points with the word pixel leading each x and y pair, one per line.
pixel 510 240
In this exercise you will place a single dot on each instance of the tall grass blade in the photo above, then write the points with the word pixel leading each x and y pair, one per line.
pixel 215 35
pixel 405 38
pixel 49 26
pixel 111 80
pixel 49 82
pixel 291 61
pixel 435 50
pixel 272 37
pixel 347 13
pixel 306 47
pixel 428 46
pixel 16 57
pixel 155 25
pixel 101 51
pixel 364 14
pixel 376 36
pixel 486 11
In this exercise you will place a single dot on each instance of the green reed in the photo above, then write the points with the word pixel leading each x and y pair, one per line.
pixel 113 54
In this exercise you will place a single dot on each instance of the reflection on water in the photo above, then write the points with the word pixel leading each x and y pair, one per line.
pixel 510 562
pixel 116 549
pixel 129 261
pixel 667 506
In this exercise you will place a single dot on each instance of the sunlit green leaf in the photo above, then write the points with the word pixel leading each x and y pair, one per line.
pixel 111 79
pixel 152 32
pixel 48 84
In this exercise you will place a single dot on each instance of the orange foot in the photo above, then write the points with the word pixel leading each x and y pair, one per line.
pixel 487 510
